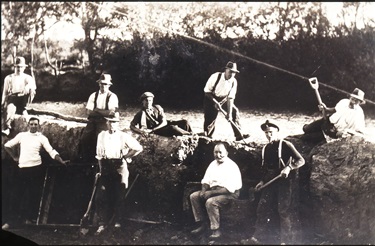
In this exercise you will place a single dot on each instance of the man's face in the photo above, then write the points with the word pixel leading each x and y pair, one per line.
pixel 33 126
pixel 271 133
pixel 112 125
pixel 229 73
pixel 354 101
pixel 220 153
pixel 104 87
pixel 19 69
pixel 147 102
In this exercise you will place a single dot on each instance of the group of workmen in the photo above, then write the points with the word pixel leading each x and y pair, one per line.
pixel 103 142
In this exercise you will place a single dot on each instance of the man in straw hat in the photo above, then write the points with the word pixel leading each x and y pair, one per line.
pixel 151 119
pixel 220 89
pixel 102 103
pixel 19 90
pixel 280 160
pixel 345 119
pixel 114 150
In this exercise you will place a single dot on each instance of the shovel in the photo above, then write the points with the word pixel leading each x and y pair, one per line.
pixel 315 85
pixel 230 121
pixel 252 189
pixel 85 219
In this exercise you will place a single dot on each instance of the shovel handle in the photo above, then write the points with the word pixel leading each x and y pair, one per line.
pixel 271 181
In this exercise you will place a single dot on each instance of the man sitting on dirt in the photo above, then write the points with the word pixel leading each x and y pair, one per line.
pixel 221 182
pixel 151 119
pixel 19 90
pixel 102 103
pixel 30 173
pixel 279 157
pixel 345 119
pixel 220 89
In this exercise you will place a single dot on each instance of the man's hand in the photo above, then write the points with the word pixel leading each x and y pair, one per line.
pixel 145 132
pixel 66 162
pixel 285 172
pixel 322 107
pixel 259 186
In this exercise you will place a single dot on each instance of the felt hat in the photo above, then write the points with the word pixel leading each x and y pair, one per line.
pixel 358 94
pixel 105 79
pixel 146 94
pixel 114 118
pixel 232 66
pixel 266 125
pixel 20 62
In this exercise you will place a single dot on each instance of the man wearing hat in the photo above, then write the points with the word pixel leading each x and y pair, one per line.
pixel 19 90
pixel 102 103
pixel 279 157
pixel 221 86
pixel 114 150
pixel 152 119
pixel 345 119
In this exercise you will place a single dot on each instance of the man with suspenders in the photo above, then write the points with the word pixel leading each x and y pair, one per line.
pixel 279 157
pixel 221 86
pixel 102 103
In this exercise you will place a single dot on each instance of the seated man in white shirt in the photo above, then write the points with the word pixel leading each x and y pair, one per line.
pixel 221 183
pixel 346 118
pixel 30 171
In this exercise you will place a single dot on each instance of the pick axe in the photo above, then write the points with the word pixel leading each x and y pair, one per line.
pixel 230 121
pixel 252 190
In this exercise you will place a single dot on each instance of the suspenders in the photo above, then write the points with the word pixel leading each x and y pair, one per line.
pixel 281 162
pixel 217 81
pixel 107 100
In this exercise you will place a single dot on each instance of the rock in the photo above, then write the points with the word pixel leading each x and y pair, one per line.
pixel 343 191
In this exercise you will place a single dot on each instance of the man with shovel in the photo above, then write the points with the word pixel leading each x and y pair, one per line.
pixel 280 159
pixel 114 150
pixel 220 89
pixel 345 119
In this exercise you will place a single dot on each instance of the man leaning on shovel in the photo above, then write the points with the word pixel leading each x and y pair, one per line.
pixel 280 160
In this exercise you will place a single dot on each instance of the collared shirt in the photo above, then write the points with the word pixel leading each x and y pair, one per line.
pixel 101 101
pixel 18 84
pixel 30 146
pixel 348 118
pixel 226 174
pixel 223 88
pixel 142 121
pixel 115 145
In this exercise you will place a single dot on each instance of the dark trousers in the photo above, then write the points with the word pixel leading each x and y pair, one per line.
pixel 89 136
pixel 15 105
pixel 314 130
pixel 109 198
pixel 27 193
pixel 175 128
pixel 210 115
pixel 283 194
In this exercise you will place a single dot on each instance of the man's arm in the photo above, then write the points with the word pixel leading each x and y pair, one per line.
pixel 12 153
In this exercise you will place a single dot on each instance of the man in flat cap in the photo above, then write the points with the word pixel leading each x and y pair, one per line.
pixel 279 157
pixel 220 89
pixel 152 119
pixel 102 103
pixel 19 90
pixel 345 119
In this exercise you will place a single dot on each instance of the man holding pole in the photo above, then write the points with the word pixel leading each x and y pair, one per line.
pixel 114 150
pixel 220 89
pixel 280 159
pixel 19 90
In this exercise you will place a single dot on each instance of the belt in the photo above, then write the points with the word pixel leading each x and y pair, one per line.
pixel 112 160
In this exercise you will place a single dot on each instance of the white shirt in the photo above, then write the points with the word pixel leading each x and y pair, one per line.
pixel 101 101
pixel 223 88
pixel 226 174
pixel 30 146
pixel 18 84
pixel 115 145
pixel 348 118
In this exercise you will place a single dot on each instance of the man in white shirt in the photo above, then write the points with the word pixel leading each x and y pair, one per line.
pixel 31 171
pixel 114 150
pixel 19 90
pixel 346 118
pixel 102 103
pixel 221 183
pixel 222 87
